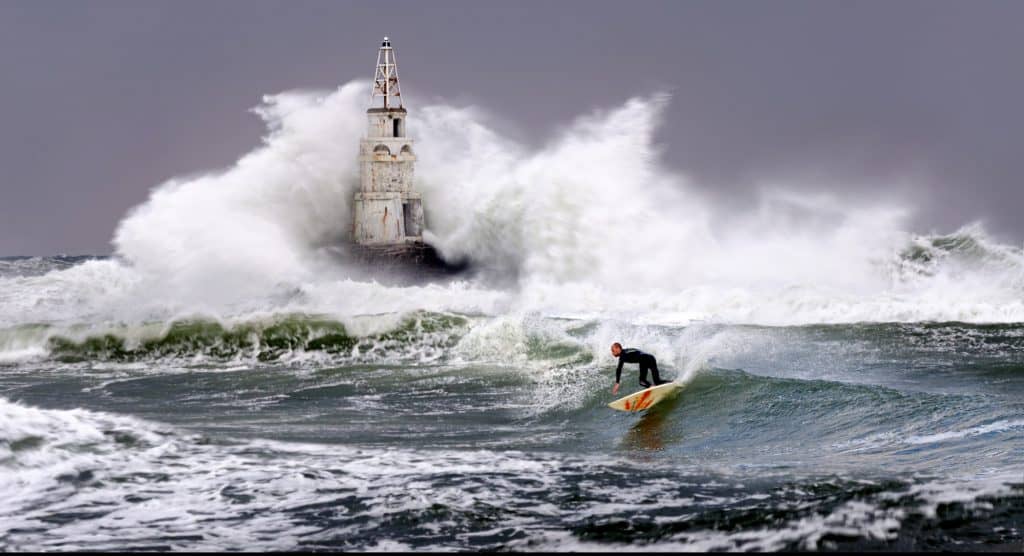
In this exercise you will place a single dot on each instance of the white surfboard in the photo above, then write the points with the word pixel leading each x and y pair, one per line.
pixel 639 401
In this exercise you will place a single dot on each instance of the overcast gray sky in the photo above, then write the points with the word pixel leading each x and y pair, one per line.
pixel 102 100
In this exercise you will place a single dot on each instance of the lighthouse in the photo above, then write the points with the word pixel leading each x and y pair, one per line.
pixel 388 211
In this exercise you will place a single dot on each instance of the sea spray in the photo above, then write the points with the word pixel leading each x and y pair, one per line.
pixel 243 232
pixel 592 222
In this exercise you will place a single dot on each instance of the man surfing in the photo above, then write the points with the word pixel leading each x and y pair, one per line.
pixel 646 361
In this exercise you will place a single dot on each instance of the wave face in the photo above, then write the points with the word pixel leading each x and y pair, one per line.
pixel 499 439
pixel 223 381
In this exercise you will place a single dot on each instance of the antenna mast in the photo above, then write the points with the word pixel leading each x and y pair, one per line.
pixel 385 82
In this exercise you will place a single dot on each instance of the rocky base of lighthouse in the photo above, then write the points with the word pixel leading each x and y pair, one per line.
pixel 408 263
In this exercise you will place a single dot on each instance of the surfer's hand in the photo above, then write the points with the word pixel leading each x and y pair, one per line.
pixel 615 389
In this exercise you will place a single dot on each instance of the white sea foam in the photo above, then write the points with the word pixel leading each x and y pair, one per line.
pixel 998 426
pixel 116 469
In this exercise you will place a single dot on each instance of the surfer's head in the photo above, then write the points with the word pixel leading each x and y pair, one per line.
pixel 616 349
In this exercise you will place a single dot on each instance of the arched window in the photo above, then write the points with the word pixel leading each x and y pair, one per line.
pixel 406 149
pixel 382 149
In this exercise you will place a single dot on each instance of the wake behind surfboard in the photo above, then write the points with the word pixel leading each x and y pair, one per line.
pixel 639 401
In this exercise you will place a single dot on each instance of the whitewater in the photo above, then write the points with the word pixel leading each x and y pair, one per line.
pixel 223 381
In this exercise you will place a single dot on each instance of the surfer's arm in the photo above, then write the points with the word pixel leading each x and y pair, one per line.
pixel 618 371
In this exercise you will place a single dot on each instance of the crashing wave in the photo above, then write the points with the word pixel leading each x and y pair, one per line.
pixel 592 222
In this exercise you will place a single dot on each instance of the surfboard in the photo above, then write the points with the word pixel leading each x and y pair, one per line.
pixel 639 401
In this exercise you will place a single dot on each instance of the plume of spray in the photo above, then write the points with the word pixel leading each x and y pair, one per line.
pixel 593 222
pixel 578 210
pixel 240 232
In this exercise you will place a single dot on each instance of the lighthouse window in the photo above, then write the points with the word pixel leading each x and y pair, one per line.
pixel 398 123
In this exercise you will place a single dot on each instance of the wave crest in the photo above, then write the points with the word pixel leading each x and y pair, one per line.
pixel 419 336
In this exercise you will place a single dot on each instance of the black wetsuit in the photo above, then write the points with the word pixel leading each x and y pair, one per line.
pixel 646 361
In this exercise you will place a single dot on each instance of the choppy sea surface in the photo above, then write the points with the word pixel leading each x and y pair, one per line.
pixel 466 430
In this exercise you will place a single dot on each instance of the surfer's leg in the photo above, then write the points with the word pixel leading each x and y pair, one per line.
pixel 643 374
pixel 654 372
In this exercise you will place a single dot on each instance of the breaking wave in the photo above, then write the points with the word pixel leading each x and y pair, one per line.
pixel 592 223
pixel 420 337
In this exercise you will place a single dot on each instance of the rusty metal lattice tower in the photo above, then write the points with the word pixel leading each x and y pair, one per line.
pixel 385 81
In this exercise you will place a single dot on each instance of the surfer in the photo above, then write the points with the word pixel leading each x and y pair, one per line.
pixel 646 361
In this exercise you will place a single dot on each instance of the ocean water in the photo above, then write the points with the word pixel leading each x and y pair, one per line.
pixel 222 382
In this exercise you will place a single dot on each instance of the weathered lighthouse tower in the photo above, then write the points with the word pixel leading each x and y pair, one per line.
pixel 387 223
pixel 388 212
